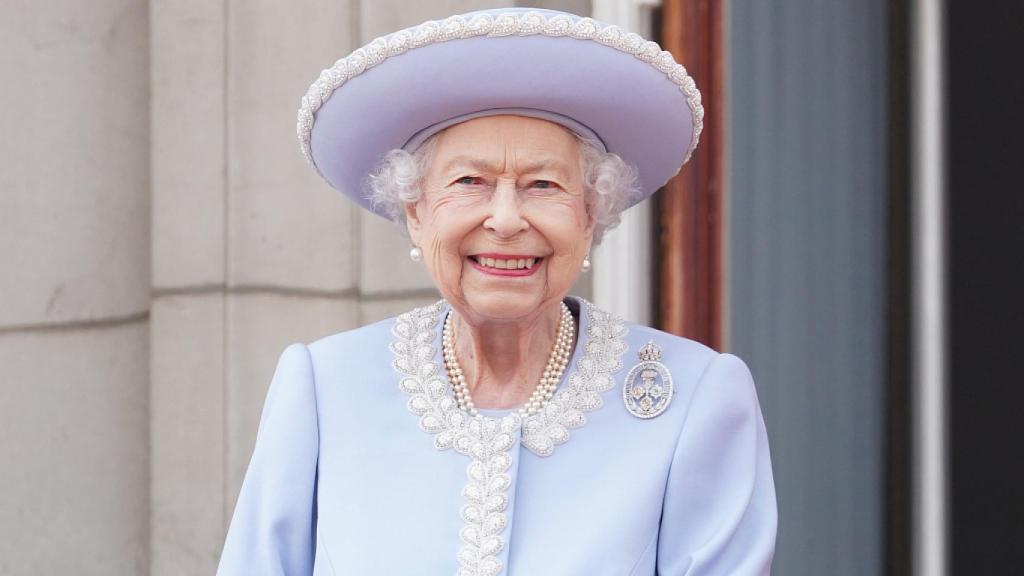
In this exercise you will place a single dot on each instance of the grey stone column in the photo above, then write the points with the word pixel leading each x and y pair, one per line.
pixel 250 251
pixel 74 291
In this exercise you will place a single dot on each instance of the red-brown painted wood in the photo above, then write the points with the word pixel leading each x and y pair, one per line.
pixel 690 206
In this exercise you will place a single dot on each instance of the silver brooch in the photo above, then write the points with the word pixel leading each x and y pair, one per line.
pixel 648 387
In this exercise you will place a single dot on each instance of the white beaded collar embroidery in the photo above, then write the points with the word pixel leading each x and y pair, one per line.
pixel 507 24
pixel 487 441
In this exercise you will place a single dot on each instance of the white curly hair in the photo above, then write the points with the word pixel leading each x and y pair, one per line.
pixel 609 183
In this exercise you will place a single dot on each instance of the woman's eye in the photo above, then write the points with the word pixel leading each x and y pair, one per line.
pixel 543 184
pixel 469 180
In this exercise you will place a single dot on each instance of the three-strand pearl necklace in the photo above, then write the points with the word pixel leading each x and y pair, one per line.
pixel 545 389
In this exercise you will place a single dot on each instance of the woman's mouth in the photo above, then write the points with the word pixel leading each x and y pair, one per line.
pixel 506 264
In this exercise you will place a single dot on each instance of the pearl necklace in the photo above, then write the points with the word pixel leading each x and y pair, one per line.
pixel 545 389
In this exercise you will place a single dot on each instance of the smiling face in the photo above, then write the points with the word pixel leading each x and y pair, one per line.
pixel 502 220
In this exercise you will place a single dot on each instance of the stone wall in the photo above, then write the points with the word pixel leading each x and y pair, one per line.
pixel 74 287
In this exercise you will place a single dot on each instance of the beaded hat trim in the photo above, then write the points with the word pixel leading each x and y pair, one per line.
pixel 505 24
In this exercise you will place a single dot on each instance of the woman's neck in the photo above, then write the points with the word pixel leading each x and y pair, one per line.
pixel 503 362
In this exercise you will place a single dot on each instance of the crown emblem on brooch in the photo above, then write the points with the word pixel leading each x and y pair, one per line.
pixel 648 388
pixel 651 352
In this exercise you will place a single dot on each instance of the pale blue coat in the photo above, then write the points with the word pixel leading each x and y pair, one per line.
pixel 363 465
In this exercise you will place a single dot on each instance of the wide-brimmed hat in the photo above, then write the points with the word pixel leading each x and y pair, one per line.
pixel 614 88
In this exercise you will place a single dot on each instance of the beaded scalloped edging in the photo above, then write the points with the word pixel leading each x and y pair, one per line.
pixel 592 375
pixel 507 24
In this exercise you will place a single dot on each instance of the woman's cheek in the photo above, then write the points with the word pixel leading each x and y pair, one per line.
pixel 445 263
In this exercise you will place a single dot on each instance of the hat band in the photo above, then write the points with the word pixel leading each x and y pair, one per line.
pixel 579 129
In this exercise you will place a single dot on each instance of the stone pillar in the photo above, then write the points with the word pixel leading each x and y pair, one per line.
pixel 74 297
pixel 250 250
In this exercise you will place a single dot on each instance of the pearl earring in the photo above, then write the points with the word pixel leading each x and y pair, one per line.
pixel 415 254
pixel 586 263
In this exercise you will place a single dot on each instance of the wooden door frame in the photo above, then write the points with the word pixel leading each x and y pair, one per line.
pixel 690 298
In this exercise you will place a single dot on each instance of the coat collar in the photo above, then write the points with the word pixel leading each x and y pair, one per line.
pixel 597 357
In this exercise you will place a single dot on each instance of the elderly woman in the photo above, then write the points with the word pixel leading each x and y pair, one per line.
pixel 509 428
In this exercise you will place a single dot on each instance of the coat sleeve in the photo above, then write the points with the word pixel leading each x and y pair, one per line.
pixel 273 531
pixel 719 515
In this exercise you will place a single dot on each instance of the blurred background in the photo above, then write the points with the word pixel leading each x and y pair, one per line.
pixel 851 226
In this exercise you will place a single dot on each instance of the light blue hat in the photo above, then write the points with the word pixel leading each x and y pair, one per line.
pixel 612 87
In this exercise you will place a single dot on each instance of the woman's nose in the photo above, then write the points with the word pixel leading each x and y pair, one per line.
pixel 506 217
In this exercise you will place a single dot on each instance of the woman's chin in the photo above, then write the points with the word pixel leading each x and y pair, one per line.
pixel 501 306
